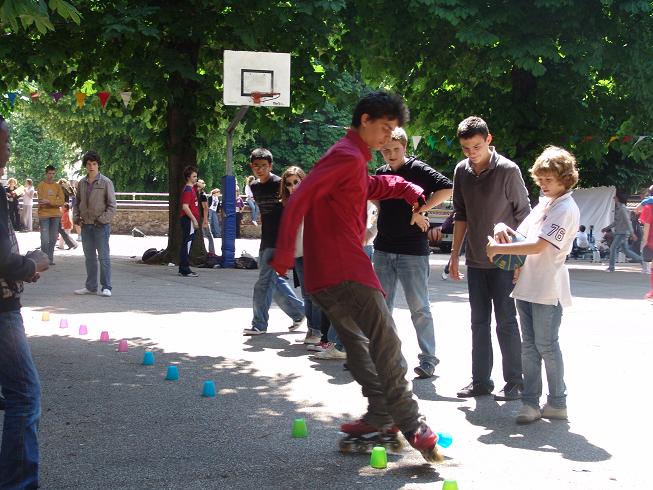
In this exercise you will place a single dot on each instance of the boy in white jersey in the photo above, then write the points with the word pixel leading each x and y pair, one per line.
pixel 542 288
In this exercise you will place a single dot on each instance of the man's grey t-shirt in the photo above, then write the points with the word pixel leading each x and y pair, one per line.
pixel 497 195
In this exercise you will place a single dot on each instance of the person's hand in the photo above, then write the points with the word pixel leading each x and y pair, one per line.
pixel 420 220
pixel 34 278
pixel 41 259
pixel 490 248
pixel 454 271
pixel 633 237
pixel 515 275
pixel 503 233
pixel 195 224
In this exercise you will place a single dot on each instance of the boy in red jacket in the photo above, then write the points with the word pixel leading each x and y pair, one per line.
pixel 332 201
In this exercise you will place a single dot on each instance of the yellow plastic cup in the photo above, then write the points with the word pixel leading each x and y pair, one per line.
pixel 450 485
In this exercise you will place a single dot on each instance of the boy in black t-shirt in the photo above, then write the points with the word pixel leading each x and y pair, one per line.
pixel 401 248
pixel 269 284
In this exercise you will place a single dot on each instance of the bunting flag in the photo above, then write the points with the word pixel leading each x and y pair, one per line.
pixel 81 99
pixel 126 97
pixel 449 141
pixel 56 95
pixel 640 139
pixel 35 96
pixel 416 140
pixel 12 98
pixel 613 138
pixel 104 96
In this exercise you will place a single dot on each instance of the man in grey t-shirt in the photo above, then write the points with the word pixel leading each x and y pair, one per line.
pixel 488 189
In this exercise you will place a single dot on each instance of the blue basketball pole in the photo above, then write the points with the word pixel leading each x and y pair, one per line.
pixel 229 193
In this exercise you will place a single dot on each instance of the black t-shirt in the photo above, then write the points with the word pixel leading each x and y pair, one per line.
pixel 266 195
pixel 396 234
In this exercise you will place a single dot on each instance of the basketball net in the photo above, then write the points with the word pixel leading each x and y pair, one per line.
pixel 258 97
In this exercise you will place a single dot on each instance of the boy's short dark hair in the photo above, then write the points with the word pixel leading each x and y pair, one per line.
pixel 91 156
pixel 472 126
pixel 582 228
pixel 381 104
pixel 50 167
pixel 622 197
pixel 188 172
pixel 260 154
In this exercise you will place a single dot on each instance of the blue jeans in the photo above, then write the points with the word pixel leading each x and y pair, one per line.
pixel 49 228
pixel 413 273
pixel 253 207
pixel 269 284
pixel 620 241
pixel 214 224
pixel 539 328
pixel 311 310
pixel 488 287
pixel 95 242
pixel 19 454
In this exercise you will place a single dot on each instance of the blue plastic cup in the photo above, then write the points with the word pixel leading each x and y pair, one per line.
pixel 444 439
pixel 148 358
pixel 209 389
pixel 173 373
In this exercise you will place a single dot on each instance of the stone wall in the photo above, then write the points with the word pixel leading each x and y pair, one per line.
pixel 153 220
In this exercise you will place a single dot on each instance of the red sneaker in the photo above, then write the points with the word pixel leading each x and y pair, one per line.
pixel 649 295
pixel 424 440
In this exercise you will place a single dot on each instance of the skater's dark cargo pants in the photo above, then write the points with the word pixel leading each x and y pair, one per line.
pixel 365 326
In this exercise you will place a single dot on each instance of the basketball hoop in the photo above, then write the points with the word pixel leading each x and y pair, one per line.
pixel 258 97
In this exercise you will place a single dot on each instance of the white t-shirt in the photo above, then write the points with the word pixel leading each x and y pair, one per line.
pixel 544 278
pixel 581 240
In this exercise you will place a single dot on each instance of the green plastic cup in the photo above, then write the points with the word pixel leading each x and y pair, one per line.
pixel 379 458
pixel 450 485
pixel 299 428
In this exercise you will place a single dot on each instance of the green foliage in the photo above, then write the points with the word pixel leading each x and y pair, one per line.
pixel 33 148
pixel 35 13
pixel 550 72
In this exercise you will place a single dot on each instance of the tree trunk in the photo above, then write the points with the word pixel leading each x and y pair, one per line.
pixel 180 144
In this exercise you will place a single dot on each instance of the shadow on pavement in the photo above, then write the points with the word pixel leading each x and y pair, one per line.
pixel 542 435
pixel 110 422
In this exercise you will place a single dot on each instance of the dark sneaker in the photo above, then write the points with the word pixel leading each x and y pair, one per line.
pixel 472 390
pixel 424 439
pixel 2 402
pixel 512 391
pixel 424 370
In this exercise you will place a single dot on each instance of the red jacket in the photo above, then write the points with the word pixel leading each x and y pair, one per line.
pixel 332 201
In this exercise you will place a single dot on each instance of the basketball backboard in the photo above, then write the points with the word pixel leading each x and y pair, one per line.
pixel 254 78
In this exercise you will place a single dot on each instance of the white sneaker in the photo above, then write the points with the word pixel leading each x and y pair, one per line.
pixel 296 324
pixel 83 291
pixel 528 414
pixel 549 412
pixel 331 353
pixel 104 292
pixel 311 339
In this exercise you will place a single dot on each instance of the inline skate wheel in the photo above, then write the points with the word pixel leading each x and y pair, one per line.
pixel 346 446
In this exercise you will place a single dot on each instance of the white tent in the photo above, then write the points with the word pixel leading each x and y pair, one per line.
pixel 596 207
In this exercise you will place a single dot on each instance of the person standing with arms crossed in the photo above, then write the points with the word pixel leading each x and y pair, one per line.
pixel 51 198
pixel 93 211
pixel 19 452
pixel 488 189
pixel 401 248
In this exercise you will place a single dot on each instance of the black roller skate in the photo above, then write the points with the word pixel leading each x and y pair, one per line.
pixel 361 437
pixel 424 440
